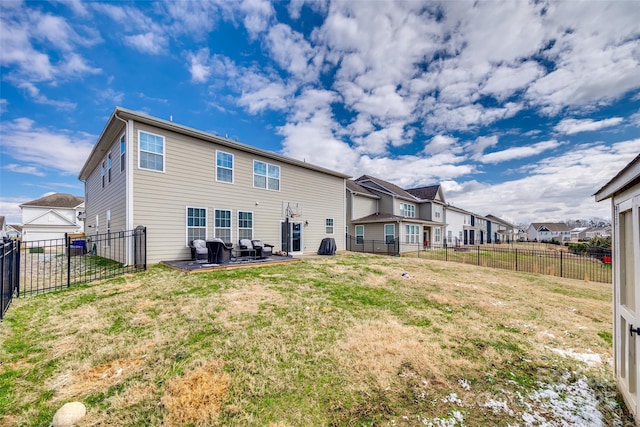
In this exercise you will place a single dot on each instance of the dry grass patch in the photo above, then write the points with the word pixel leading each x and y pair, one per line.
pixel 378 349
pixel 91 380
pixel 196 398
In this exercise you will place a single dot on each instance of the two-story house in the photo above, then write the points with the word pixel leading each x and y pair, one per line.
pixel 378 210
pixel 548 231
pixel 500 231
pixel 51 216
pixel 185 184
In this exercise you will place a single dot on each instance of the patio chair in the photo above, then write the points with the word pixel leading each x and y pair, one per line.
pixel 263 250
pixel 246 248
pixel 198 249
pixel 219 251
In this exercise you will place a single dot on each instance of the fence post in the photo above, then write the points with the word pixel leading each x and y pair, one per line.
pixel 67 241
pixel 516 259
pixel 478 255
pixel 561 264
pixel 17 265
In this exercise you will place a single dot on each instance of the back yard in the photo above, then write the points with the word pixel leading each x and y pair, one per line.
pixel 350 340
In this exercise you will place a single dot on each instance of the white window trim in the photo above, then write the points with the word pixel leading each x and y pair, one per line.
pixel 164 152
pixel 244 228
pixel 361 227
pixel 224 228
pixel 233 161
pixel 385 232
pixel 326 226
pixel 266 187
pixel 407 208
pixel 186 222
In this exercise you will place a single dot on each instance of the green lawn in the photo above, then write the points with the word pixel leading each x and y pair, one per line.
pixel 337 341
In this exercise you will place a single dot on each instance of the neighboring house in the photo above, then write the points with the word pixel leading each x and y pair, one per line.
pixel 14 231
pixel 185 184
pixel 624 192
pixel 457 229
pixel 594 232
pixel 50 217
pixel 500 230
pixel 548 231
pixel 381 211
pixel 3 227
pixel 579 233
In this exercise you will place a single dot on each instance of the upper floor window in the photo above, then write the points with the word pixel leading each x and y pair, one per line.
pixel 224 166
pixel 266 175
pixel 109 166
pixel 407 210
pixel 123 151
pixel 104 171
pixel 438 211
pixel 151 151
pixel 328 225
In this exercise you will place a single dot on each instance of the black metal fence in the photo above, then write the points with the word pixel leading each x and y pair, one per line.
pixel 47 265
pixel 10 273
pixel 357 244
pixel 593 265
pixel 571 262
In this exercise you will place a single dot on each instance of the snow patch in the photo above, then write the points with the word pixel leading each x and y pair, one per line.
pixel 590 358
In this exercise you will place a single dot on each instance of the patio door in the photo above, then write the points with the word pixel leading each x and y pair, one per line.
pixel 291 237
pixel 627 300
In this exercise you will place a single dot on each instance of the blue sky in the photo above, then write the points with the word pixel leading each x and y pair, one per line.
pixel 519 109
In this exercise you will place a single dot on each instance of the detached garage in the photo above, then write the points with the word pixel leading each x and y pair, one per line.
pixel 52 216
pixel 624 192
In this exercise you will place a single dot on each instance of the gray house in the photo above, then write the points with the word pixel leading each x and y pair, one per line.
pixel 624 192
pixel 184 184
pixel 378 210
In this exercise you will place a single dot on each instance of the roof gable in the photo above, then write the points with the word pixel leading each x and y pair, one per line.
pixel 53 218
pixel 430 192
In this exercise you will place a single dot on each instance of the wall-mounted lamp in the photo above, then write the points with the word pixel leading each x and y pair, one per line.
pixel 306 223
pixel 257 203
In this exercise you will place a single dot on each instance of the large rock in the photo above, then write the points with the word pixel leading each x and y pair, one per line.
pixel 69 414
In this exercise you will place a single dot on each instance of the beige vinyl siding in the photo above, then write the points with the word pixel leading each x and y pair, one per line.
pixel 363 206
pixel 99 200
pixel 160 198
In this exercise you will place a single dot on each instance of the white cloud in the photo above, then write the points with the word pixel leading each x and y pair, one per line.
pixel 257 15
pixel 519 152
pixel 441 143
pixel 481 143
pixel 152 42
pixel 199 65
pixel 62 151
pixel 29 170
pixel 556 188
pixel 572 126
pixel 292 52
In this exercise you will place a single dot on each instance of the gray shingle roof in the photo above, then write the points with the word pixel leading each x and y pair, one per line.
pixel 425 193
pixel 56 200
pixel 385 185
pixel 551 226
